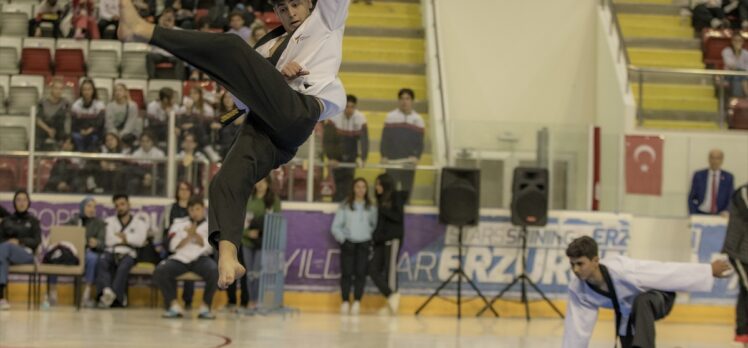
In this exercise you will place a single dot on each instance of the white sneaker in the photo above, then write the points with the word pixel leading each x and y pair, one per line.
pixel 4 305
pixel 345 308
pixel 394 302
pixel 108 297
pixel 356 308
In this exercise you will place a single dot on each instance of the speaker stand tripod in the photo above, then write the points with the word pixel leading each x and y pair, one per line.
pixel 458 272
pixel 523 279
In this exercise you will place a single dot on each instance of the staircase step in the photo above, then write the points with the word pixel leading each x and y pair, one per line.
pixel 385 32
pixel 385 15
pixel 677 97
pixel 383 86
pixel 666 43
pixel 650 57
pixel 642 8
pixel 673 124
pixel 387 105
pixel 681 115
pixel 641 25
pixel 676 79
pixel 645 2
pixel 383 50
pixel 385 68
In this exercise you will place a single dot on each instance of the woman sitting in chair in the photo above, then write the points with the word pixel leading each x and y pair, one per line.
pixel 19 236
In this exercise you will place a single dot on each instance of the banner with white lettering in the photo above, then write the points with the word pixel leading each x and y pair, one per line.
pixel 491 250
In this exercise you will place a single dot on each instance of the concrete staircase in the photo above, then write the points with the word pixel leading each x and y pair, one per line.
pixel 383 51
pixel 658 35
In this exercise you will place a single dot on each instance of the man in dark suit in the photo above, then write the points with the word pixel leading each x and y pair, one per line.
pixel 702 198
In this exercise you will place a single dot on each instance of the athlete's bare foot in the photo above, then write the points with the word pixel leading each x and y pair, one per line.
pixel 229 268
pixel 133 28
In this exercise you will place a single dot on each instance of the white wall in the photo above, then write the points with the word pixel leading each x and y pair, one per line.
pixel 518 62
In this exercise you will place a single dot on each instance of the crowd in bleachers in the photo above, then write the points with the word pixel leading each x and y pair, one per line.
pixel 722 26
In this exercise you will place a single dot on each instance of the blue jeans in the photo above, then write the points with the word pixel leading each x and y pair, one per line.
pixel 89 275
pixel 253 263
pixel 113 272
pixel 11 254
pixel 736 86
pixel 85 143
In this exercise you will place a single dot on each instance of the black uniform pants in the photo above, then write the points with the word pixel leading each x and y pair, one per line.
pixel 648 307
pixel 280 119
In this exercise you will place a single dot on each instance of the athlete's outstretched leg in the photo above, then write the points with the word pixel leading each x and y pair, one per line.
pixel 235 65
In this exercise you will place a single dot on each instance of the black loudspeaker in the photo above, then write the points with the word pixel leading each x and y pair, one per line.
pixel 530 196
pixel 460 196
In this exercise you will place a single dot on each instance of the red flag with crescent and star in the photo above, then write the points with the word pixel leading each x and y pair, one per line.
pixel 644 164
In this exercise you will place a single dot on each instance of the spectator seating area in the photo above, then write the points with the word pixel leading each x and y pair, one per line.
pixel 383 52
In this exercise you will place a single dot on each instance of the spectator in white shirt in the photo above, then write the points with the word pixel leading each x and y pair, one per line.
pixel 157 112
pixel 736 58
pixel 122 113
pixel 236 24
pixel 188 240
pixel 108 15
pixel 125 233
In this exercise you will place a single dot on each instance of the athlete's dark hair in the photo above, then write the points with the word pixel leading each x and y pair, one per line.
pixel 582 246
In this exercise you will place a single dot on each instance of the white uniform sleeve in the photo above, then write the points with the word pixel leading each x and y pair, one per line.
pixel 579 323
pixel 175 236
pixel 139 234
pixel 671 276
pixel 333 12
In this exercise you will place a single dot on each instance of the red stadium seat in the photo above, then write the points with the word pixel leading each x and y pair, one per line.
pixel 206 85
pixel 7 177
pixel 713 42
pixel 200 13
pixel 70 62
pixel 737 113
pixel 43 172
pixel 136 95
pixel 270 19
pixel 36 61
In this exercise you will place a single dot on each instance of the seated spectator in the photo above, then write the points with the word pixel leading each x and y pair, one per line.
pixel 146 8
pixel 95 236
pixel 112 144
pixel 109 176
pixel 51 115
pixel 188 240
pixel 157 113
pixel 735 57
pixel 191 161
pixel 20 235
pixel 108 15
pixel 176 210
pixel 84 20
pixel 63 178
pixel 257 33
pixel 88 118
pixel 711 188
pixel 147 149
pixel 226 134
pixel 125 233
pixel 122 113
pixel 736 12
pixel 196 116
pixel 49 11
pixel 159 55
pixel 708 14
pixel 236 24
pixel 184 16
pixel 141 179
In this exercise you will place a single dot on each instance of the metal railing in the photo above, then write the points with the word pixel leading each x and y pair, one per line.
pixel 717 79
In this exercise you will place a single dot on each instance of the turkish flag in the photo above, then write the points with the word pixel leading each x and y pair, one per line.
pixel 644 164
